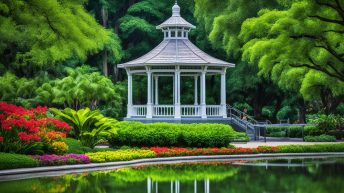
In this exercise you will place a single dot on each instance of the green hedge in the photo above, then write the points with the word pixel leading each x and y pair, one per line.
pixel 311 148
pixel 296 131
pixel 320 138
pixel 177 135
pixel 9 161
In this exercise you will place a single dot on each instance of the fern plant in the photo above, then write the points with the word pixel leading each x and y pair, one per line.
pixel 88 126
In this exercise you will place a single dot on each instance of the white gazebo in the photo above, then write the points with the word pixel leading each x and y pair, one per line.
pixel 176 56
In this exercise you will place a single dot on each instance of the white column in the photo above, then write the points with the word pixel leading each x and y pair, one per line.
pixel 203 95
pixel 196 90
pixel 177 93
pixel 206 186
pixel 156 90
pixel 223 94
pixel 152 89
pixel 149 95
pixel 130 95
pixel 149 185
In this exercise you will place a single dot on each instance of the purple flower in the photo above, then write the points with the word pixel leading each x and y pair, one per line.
pixel 62 159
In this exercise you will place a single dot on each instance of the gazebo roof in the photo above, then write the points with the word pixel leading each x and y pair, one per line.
pixel 176 50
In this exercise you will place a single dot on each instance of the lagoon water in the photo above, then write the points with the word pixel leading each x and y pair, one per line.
pixel 311 175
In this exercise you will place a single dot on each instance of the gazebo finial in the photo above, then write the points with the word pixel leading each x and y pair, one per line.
pixel 176 9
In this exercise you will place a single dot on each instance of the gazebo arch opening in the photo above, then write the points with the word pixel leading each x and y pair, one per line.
pixel 176 59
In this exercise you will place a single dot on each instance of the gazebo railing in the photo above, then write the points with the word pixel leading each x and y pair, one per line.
pixel 213 110
pixel 163 110
pixel 190 110
pixel 139 110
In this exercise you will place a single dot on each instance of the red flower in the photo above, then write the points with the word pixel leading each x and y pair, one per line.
pixel 1 139
pixel 28 137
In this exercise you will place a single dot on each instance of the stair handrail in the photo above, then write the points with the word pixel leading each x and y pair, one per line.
pixel 249 119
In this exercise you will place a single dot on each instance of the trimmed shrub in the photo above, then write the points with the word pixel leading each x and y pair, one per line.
pixel 320 138
pixel 177 135
pixel 296 131
pixel 311 148
pixel 9 161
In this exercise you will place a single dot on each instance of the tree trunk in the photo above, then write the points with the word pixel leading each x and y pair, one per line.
pixel 105 55
pixel 302 112
pixel 105 63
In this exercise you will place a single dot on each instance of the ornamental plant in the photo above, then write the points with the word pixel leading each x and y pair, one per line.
pixel 30 131
pixel 52 160
pixel 90 127
pixel 177 151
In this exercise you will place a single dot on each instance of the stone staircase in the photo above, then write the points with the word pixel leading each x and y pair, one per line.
pixel 242 121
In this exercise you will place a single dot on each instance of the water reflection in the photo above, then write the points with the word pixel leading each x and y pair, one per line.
pixel 295 175
pixel 153 187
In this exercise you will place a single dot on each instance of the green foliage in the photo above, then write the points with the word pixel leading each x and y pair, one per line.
pixel 286 112
pixel 45 32
pixel 20 91
pixel 75 146
pixel 298 47
pixel 88 126
pixel 80 89
pixel 182 172
pixel 268 111
pixel 311 148
pixel 320 138
pixel 9 161
pixel 177 135
pixel 120 155
pixel 243 106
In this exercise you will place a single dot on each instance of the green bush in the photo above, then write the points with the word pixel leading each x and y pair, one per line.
pixel 320 138
pixel 177 135
pixel 75 146
pixel 90 127
pixel 9 161
pixel 311 148
pixel 295 131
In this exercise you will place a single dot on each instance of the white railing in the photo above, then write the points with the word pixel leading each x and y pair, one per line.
pixel 190 110
pixel 163 110
pixel 213 110
pixel 139 110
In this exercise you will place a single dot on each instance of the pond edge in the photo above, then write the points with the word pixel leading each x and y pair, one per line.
pixel 23 173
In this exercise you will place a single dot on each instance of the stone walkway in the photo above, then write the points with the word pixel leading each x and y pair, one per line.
pixel 253 144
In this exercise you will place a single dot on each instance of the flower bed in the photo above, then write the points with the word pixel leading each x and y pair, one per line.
pixel 14 160
pixel 51 160
pixel 120 155
pixel 30 131
pixel 167 152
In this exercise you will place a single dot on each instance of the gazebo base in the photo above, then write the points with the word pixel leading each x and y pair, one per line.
pixel 182 120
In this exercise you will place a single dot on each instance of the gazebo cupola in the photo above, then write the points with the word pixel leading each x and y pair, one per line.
pixel 176 27
pixel 176 56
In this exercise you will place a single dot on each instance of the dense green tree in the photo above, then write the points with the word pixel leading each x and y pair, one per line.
pixel 300 48
pixel 83 87
pixel 38 33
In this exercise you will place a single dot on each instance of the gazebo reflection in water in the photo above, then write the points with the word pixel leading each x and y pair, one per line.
pixel 153 186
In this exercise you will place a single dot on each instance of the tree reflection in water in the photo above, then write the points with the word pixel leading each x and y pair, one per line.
pixel 304 176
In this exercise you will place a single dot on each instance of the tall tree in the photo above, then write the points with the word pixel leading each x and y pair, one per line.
pixel 300 47
pixel 37 33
